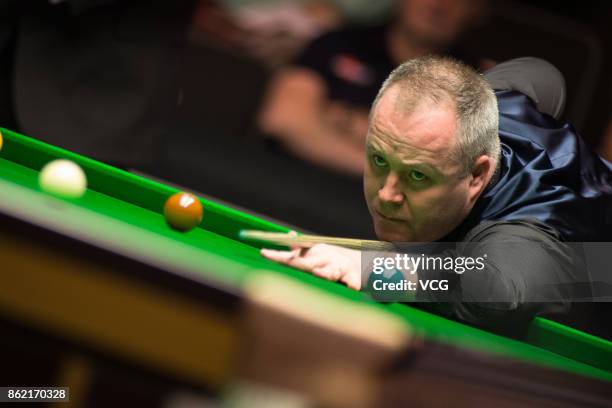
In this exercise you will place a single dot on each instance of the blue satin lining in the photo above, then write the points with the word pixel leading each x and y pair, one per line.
pixel 547 173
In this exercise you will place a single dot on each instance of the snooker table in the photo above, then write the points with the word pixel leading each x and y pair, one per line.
pixel 90 270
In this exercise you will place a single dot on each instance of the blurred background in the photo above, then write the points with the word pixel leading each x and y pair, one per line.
pixel 263 103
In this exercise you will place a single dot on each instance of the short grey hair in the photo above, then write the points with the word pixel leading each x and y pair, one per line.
pixel 439 79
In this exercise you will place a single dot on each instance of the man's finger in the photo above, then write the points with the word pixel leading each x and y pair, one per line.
pixel 352 281
pixel 284 257
pixel 327 272
pixel 304 246
pixel 296 258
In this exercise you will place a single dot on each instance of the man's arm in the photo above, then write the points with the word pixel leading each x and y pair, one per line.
pixel 528 272
pixel 541 81
pixel 298 113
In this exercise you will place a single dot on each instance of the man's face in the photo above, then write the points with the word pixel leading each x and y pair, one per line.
pixel 437 22
pixel 413 191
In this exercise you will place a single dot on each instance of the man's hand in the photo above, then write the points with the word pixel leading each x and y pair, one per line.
pixel 330 262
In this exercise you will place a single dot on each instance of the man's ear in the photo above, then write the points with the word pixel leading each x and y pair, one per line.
pixel 482 172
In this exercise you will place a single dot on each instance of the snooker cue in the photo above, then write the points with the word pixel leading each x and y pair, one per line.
pixel 306 241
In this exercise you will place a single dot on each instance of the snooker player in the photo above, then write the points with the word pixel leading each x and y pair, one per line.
pixel 453 156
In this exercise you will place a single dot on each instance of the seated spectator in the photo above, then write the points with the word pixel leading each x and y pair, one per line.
pixel 317 109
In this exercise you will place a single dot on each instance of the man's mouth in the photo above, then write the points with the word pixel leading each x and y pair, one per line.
pixel 388 218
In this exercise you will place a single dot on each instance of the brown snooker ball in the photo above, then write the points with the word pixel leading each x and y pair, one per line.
pixel 183 211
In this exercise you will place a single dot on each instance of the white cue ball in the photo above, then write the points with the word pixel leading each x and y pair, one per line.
pixel 63 178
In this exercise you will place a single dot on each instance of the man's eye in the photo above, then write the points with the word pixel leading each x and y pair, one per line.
pixel 379 161
pixel 417 175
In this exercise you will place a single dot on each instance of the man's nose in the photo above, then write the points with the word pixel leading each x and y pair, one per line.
pixel 390 191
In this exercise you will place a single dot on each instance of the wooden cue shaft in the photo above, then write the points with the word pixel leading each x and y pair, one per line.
pixel 286 239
